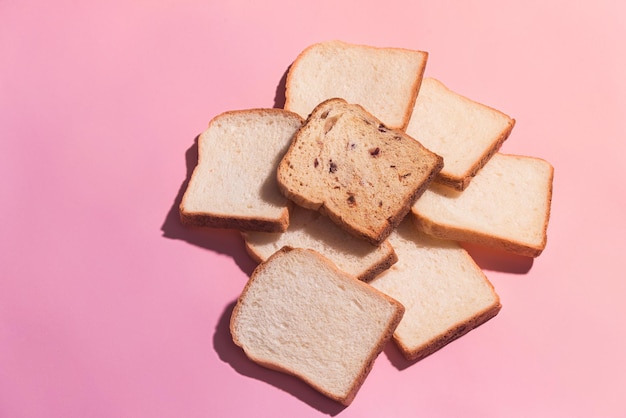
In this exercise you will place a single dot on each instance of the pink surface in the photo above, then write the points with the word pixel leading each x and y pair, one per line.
pixel 109 308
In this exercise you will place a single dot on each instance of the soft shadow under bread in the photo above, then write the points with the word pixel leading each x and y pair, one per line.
pixel 223 241
pixel 279 97
pixel 396 358
pixel 498 260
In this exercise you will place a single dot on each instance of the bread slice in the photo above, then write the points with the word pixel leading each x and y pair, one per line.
pixel 309 229
pixel 383 80
pixel 444 292
pixel 348 165
pixel 507 206
pixel 234 183
pixel 301 315
pixel 464 132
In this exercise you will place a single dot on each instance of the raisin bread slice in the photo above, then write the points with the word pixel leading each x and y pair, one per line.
pixel 234 182
pixel 348 165
pixel 383 80
pixel 301 315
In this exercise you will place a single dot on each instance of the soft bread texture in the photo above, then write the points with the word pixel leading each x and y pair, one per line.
pixel 506 206
pixel 234 182
pixel 464 132
pixel 383 80
pixel 309 229
pixel 301 315
pixel 444 292
pixel 348 165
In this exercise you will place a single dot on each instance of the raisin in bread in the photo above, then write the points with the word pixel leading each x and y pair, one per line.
pixel 348 165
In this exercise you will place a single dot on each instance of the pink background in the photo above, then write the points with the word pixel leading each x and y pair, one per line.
pixel 109 308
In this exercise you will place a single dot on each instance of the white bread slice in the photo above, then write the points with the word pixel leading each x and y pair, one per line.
pixel 464 132
pixel 234 183
pixel 309 229
pixel 348 165
pixel 301 315
pixel 444 292
pixel 506 206
pixel 383 80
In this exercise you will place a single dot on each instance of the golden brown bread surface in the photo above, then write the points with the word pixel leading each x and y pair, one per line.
pixel 348 165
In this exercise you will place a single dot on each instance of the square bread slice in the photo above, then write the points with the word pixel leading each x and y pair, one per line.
pixel 444 292
pixel 301 315
pixel 234 182
pixel 506 206
pixel 464 132
pixel 309 229
pixel 383 80
pixel 348 165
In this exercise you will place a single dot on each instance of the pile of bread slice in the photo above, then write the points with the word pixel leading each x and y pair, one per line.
pixel 354 199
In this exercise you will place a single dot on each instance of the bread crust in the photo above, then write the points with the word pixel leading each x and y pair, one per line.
pixel 384 264
pixel 367 367
pixel 463 235
pixel 233 222
pixel 452 334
